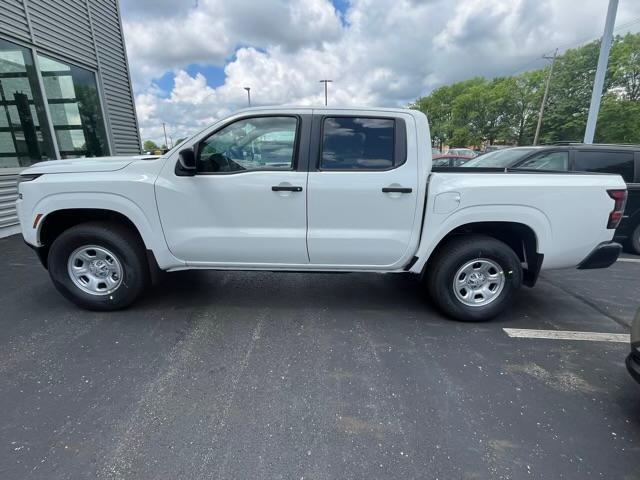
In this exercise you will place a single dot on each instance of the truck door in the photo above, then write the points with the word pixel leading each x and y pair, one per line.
pixel 362 189
pixel 247 202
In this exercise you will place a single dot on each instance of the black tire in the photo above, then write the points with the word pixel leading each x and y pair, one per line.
pixel 124 244
pixel 452 256
pixel 634 240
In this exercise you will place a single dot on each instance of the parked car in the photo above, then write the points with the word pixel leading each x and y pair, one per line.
pixel 621 159
pixel 493 148
pixel 447 160
pixel 301 189
pixel 499 158
pixel 633 360
pixel 462 152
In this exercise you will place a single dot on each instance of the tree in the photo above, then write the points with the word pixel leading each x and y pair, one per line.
pixel 504 110
pixel 149 146
pixel 618 121
pixel 565 117
pixel 624 66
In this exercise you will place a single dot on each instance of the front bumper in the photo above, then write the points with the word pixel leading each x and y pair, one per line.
pixel 633 365
pixel 603 256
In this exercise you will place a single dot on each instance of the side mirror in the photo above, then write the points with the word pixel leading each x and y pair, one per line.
pixel 186 165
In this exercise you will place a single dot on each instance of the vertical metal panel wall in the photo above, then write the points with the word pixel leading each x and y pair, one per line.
pixel 89 34
pixel 114 74
pixel 8 196
pixel 13 19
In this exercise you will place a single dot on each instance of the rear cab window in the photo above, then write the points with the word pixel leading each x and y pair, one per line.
pixel 362 143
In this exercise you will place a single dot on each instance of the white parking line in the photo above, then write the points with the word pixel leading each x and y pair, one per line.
pixel 567 335
pixel 630 260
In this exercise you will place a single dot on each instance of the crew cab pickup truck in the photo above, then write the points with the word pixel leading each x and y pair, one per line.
pixel 306 189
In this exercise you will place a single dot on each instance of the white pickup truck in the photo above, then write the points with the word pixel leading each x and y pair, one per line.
pixel 307 189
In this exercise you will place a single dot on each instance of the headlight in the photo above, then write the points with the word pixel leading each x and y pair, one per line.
pixel 28 177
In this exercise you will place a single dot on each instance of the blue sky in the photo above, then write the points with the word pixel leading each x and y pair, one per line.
pixel 189 66
pixel 215 73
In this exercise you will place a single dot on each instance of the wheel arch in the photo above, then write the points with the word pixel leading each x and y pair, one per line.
pixel 523 239
pixel 62 211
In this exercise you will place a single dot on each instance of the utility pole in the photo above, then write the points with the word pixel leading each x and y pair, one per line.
pixel 164 128
pixel 598 83
pixel 248 89
pixel 325 90
pixel 545 95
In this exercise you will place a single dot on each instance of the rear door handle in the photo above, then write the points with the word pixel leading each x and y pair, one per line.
pixel 396 190
pixel 285 188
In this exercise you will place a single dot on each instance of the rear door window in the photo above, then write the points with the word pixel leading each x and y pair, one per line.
pixel 358 143
pixel 606 162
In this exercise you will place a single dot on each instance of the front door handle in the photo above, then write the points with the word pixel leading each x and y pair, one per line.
pixel 285 188
pixel 396 190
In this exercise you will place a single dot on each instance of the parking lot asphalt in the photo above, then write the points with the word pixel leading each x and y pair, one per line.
pixel 244 375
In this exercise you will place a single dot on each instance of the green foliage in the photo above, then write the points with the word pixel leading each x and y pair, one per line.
pixel 505 110
pixel 149 145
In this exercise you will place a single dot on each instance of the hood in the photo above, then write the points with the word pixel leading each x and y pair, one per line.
pixel 79 165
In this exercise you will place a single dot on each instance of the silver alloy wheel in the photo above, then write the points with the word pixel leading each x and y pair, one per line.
pixel 95 270
pixel 478 282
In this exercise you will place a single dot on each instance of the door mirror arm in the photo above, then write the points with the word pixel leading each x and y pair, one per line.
pixel 186 164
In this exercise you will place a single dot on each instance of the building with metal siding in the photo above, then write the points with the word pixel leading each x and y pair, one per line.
pixel 65 88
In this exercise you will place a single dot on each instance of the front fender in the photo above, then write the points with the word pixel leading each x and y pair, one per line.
pixel 148 225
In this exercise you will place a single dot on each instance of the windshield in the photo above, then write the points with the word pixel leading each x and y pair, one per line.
pixel 498 158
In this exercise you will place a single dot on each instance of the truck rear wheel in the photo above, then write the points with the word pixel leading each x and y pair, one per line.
pixel 99 265
pixel 473 277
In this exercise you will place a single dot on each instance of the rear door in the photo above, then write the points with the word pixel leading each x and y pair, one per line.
pixel 362 189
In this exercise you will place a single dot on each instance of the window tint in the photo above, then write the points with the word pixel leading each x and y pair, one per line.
pixel 441 162
pixel 262 143
pixel 458 161
pixel 548 161
pixel 606 162
pixel 351 143
pixel 499 158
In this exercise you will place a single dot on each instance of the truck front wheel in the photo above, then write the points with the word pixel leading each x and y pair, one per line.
pixel 473 277
pixel 99 265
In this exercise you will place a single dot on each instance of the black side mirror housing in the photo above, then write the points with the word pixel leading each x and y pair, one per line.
pixel 186 166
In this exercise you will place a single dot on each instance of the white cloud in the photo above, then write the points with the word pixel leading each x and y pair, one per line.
pixel 388 53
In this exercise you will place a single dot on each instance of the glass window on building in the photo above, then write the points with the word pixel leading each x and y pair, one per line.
pixel 74 105
pixel 24 136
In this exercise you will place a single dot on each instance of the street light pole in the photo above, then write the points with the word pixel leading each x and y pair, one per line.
pixel 248 89
pixel 164 129
pixel 598 83
pixel 325 90
pixel 544 96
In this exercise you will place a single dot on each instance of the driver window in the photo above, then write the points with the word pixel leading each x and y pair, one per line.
pixel 558 161
pixel 261 143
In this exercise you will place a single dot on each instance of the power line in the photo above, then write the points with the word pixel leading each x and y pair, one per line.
pixel 544 97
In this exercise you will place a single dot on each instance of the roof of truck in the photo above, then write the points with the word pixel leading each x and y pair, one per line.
pixel 325 108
